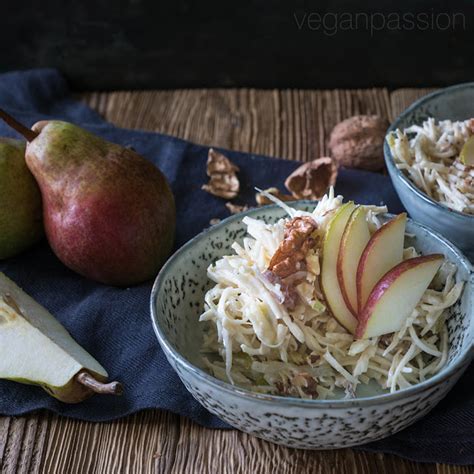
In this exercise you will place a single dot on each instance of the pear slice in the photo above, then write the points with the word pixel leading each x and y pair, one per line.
pixel 396 295
pixel 353 242
pixel 36 349
pixel 383 251
pixel 467 152
pixel 329 281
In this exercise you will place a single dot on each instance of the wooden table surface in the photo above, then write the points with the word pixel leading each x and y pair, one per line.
pixel 291 124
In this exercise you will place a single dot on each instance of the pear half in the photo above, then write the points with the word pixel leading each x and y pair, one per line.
pixel 36 349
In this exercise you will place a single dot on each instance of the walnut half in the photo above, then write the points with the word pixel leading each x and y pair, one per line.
pixel 291 253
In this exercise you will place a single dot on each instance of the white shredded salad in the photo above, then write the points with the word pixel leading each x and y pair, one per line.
pixel 252 340
pixel 429 155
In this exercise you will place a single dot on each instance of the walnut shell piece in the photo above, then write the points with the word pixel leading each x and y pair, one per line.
pixel 222 172
pixel 236 208
pixel 312 180
pixel 357 142
pixel 263 200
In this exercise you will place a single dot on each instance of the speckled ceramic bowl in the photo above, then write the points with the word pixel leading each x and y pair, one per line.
pixel 177 302
pixel 454 103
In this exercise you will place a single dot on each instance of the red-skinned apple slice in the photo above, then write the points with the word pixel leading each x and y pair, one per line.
pixel 354 240
pixel 396 294
pixel 329 283
pixel 383 251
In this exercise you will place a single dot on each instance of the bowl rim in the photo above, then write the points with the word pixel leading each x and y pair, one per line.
pixel 448 371
pixel 390 161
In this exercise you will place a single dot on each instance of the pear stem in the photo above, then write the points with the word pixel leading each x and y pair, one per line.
pixel 112 388
pixel 29 134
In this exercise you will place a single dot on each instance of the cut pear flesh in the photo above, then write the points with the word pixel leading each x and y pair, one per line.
pixel 467 152
pixel 396 295
pixel 329 282
pixel 36 348
pixel 354 240
pixel 383 251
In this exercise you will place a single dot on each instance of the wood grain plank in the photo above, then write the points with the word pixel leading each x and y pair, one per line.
pixel 142 443
pixel 402 98
pixel 209 451
pixel 4 430
pixel 293 124
pixel 22 443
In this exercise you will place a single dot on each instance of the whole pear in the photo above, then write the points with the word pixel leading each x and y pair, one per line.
pixel 20 201
pixel 108 213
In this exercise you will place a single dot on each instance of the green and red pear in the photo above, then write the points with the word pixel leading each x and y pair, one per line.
pixel 109 214
pixel 21 221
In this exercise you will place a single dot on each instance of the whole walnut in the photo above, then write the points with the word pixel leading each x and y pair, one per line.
pixel 357 142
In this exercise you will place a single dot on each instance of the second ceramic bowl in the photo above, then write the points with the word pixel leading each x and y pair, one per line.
pixel 453 103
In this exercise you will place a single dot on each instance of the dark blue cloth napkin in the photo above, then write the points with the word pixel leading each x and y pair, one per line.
pixel 114 324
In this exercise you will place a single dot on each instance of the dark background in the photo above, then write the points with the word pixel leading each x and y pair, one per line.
pixel 138 44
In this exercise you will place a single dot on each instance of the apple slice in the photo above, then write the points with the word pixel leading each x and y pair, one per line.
pixel 353 242
pixel 383 251
pixel 329 283
pixel 395 296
